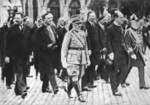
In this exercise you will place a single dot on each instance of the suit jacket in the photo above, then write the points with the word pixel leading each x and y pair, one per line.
pixel 102 35
pixel 115 44
pixel 93 37
pixel 3 31
pixel 61 33
pixel 17 45
pixel 17 42
pixel 94 42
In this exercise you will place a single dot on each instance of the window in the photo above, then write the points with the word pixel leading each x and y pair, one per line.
pixel 74 6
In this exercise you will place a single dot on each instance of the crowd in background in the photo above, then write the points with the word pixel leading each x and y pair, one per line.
pixel 81 50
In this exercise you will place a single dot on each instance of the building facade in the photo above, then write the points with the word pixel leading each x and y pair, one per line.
pixel 67 8
pixel 35 8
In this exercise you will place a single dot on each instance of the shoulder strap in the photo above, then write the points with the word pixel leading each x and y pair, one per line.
pixel 78 39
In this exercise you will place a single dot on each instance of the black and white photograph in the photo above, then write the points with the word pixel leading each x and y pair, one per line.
pixel 74 52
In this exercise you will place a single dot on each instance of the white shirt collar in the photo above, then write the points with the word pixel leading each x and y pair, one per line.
pixel 116 23
pixel 92 23
pixel 102 26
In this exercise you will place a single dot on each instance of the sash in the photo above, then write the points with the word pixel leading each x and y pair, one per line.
pixel 78 38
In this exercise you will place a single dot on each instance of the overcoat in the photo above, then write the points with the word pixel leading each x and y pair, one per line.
pixel 94 42
pixel 115 44
pixel 18 44
pixel 45 54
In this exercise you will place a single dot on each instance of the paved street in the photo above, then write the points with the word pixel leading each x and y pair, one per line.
pixel 101 95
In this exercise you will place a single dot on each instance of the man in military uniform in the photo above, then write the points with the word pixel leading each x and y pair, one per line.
pixel 135 47
pixel 74 56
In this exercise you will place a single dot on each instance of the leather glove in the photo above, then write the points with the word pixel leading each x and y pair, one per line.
pixel 7 59
pixel 133 56
pixel 111 56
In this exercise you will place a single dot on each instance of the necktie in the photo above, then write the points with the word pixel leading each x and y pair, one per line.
pixel 93 24
pixel 20 27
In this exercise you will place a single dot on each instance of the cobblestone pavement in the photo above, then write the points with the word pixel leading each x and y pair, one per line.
pixel 101 95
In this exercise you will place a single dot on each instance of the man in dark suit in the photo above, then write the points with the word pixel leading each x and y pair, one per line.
pixel 46 43
pixel 16 52
pixel 102 70
pixel 38 24
pixel 117 53
pixel 7 69
pixel 94 44
pixel 61 31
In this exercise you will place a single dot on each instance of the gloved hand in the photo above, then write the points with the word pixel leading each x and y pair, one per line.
pixel 111 56
pixel 7 59
pixel 133 56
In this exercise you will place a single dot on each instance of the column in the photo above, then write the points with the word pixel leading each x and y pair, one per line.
pixel 30 8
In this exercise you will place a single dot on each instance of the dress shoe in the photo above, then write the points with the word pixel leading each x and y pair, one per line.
pixel 46 90
pixel 69 94
pixel 127 84
pixel 145 87
pixel 123 85
pixel 27 87
pixel 23 95
pixel 86 89
pixel 117 94
pixel 64 79
pixel 30 76
pixel 81 98
pixel 9 87
pixel 56 90
pixel 92 86
pixel 107 81
pixel 97 78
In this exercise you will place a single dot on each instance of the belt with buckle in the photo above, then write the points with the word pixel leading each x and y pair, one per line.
pixel 75 48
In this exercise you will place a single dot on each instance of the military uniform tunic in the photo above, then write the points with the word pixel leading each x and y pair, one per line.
pixel 74 52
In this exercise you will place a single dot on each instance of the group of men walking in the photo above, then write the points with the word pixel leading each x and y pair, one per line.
pixel 82 51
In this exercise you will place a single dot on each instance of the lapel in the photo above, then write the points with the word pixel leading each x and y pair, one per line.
pixel 17 30
pixel 118 29
pixel 89 25
pixel 46 33
pixel 55 34
pixel 102 30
